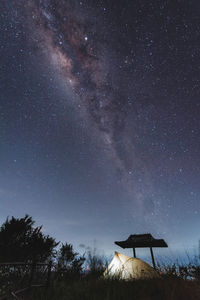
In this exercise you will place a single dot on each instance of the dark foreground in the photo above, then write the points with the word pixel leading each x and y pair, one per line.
pixel 89 289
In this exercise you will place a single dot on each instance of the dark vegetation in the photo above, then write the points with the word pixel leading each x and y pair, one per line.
pixel 159 289
pixel 37 259
pixel 21 242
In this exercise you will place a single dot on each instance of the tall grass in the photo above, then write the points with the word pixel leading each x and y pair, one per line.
pixel 93 289
pixel 178 280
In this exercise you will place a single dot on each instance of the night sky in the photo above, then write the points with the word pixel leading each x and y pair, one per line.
pixel 100 118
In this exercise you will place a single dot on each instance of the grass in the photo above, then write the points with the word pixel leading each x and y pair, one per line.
pixel 169 288
pixel 177 281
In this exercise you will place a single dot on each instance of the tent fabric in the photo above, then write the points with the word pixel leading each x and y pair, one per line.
pixel 125 267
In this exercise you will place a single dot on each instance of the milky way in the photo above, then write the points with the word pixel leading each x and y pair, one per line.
pixel 75 43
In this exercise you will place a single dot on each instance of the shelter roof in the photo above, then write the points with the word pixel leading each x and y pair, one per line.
pixel 141 241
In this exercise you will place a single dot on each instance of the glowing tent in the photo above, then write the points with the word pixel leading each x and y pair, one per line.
pixel 125 267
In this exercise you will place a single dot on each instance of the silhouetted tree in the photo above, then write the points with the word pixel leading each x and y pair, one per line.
pixel 21 241
pixel 68 260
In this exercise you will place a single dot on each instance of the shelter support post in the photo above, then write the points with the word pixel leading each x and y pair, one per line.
pixel 153 261
pixel 134 252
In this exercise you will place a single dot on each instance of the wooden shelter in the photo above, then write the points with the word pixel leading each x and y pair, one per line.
pixel 142 241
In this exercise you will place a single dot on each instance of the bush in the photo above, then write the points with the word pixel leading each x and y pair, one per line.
pixel 68 261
